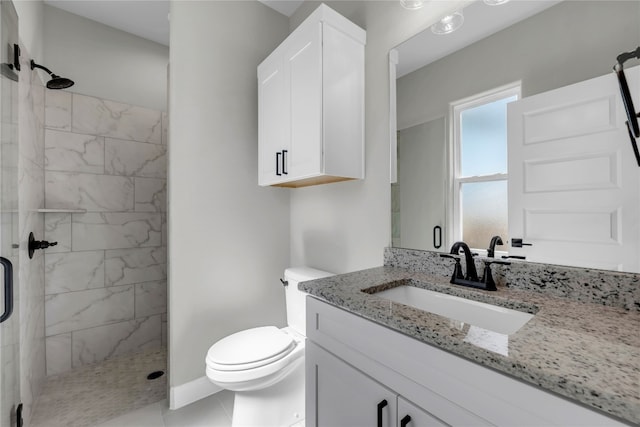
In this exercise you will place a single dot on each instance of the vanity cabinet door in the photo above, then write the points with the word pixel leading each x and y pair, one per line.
pixel 410 415
pixel 290 103
pixel 340 395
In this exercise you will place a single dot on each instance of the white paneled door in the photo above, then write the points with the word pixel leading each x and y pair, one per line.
pixel 574 185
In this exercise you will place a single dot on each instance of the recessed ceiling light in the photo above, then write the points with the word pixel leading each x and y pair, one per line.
pixel 448 24
pixel 412 4
pixel 495 2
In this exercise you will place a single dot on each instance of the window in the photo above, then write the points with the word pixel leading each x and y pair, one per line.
pixel 479 154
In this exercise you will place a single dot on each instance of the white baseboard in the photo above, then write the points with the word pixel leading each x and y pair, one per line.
pixel 190 392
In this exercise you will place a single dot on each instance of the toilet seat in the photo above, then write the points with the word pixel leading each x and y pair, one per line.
pixel 250 349
pixel 276 352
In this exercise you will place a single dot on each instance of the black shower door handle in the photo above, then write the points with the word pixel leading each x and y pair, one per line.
pixel 634 128
pixel 437 237
pixel 8 289
pixel 632 118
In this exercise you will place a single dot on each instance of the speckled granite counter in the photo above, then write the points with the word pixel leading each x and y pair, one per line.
pixel 581 350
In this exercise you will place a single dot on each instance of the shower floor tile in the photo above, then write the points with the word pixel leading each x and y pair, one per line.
pixel 93 394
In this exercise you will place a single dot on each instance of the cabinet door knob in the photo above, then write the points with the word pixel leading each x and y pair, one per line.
pixel 406 420
pixel 381 406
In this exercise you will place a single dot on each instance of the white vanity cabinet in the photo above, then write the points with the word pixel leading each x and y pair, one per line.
pixel 345 396
pixel 352 364
pixel 311 104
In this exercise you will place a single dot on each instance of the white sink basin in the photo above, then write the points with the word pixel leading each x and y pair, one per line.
pixel 491 317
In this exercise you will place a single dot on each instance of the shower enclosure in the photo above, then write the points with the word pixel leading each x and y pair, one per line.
pixel 9 328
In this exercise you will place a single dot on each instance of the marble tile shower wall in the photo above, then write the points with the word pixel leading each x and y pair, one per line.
pixel 105 281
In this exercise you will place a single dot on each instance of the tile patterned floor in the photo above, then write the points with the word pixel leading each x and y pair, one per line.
pixel 93 394
pixel 213 411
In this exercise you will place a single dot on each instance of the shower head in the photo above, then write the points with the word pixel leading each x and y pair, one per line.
pixel 56 81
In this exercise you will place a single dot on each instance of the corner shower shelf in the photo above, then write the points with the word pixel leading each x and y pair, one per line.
pixel 61 210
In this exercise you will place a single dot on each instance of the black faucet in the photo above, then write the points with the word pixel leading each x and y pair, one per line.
pixel 470 279
pixel 472 274
pixel 495 240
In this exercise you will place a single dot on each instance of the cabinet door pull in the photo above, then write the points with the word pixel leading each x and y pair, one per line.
pixel 8 288
pixel 437 237
pixel 406 420
pixel 284 162
pixel 278 154
pixel 381 406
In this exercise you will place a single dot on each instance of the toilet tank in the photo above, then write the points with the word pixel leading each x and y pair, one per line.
pixel 295 299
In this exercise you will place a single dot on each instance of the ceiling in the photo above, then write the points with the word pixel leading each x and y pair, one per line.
pixel 285 7
pixel 148 19
pixel 480 21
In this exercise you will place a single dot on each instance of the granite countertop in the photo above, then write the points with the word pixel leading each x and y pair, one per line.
pixel 586 352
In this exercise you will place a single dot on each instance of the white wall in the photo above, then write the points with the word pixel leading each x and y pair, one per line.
pixel 31 22
pixel 103 61
pixel 228 237
pixel 213 193
pixel 345 226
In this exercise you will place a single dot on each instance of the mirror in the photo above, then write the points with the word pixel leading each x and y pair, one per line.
pixel 532 47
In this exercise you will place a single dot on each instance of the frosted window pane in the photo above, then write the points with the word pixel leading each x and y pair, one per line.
pixel 483 139
pixel 484 212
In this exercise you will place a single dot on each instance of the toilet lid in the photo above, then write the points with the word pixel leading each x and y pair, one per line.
pixel 250 348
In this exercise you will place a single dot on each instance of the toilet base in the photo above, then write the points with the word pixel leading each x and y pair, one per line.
pixel 280 405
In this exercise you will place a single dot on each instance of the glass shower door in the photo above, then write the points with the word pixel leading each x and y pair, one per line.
pixel 9 328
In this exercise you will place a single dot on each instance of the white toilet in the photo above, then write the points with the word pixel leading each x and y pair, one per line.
pixel 265 365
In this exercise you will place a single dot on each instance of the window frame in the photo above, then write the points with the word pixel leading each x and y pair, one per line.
pixel 455 180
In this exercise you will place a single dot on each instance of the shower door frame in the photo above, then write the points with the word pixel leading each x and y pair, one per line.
pixel 9 232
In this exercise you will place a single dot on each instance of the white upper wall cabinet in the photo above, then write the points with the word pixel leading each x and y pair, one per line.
pixel 311 104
